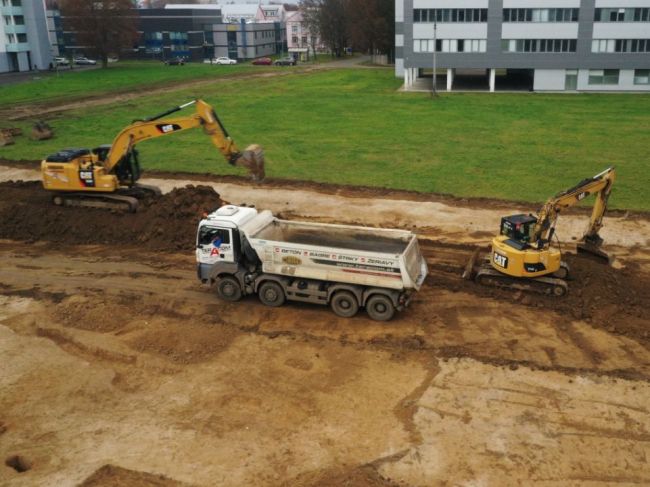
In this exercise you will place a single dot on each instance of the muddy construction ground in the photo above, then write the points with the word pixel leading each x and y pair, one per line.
pixel 119 368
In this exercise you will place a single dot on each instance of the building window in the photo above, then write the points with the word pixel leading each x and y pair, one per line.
pixel 620 45
pixel 294 29
pixel 449 15
pixel 603 76
pixel 642 76
pixel 540 14
pixel 539 45
pixel 22 37
pixel 622 14
pixel 450 45
pixel 294 40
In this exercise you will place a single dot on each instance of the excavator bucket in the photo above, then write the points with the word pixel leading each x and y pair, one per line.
pixel 593 251
pixel 6 138
pixel 42 131
pixel 252 158
pixel 468 273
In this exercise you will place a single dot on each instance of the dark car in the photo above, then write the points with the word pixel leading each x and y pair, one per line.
pixel 285 61
pixel 175 61
pixel 265 61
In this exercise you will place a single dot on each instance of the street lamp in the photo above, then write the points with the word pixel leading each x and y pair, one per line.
pixel 434 92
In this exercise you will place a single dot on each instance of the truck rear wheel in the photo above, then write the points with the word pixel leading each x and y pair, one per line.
pixel 271 294
pixel 380 308
pixel 228 289
pixel 344 304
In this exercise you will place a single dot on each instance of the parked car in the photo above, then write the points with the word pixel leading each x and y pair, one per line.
pixel 175 61
pixel 113 59
pixel 60 61
pixel 265 61
pixel 84 61
pixel 285 61
pixel 220 60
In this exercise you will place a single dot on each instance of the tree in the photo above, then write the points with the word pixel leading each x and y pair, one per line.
pixel 104 27
pixel 328 19
pixel 369 25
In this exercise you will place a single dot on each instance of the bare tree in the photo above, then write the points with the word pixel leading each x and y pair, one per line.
pixel 327 18
pixel 103 26
pixel 369 25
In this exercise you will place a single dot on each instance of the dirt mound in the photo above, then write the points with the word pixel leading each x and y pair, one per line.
pixel 164 223
pixel 195 344
pixel 364 476
pixel 112 476
pixel 616 300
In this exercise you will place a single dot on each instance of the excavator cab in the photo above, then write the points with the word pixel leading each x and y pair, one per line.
pixel 519 229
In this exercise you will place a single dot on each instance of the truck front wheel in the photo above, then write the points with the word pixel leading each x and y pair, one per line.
pixel 344 304
pixel 380 307
pixel 228 289
pixel 271 294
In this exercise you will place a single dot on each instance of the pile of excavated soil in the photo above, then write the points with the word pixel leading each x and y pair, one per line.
pixel 615 300
pixel 110 475
pixel 164 223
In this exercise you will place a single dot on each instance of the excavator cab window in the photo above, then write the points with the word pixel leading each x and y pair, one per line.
pixel 519 228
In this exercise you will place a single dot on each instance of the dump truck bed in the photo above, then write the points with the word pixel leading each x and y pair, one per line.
pixel 337 236
pixel 338 253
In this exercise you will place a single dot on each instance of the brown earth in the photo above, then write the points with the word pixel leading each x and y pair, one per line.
pixel 120 369
pixel 167 222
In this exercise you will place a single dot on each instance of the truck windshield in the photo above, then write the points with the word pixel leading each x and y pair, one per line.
pixel 208 235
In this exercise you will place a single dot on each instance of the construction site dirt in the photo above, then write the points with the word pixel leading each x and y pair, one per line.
pixel 120 368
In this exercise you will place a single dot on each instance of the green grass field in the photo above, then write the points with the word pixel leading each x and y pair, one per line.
pixel 351 126
pixel 122 76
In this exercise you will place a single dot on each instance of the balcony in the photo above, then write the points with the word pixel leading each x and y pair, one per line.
pixel 15 29
pixel 10 10
pixel 17 47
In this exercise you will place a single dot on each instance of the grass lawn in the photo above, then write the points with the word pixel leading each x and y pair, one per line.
pixel 351 126
pixel 121 76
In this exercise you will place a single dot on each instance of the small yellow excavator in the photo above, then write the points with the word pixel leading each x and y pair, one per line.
pixel 522 257
pixel 106 177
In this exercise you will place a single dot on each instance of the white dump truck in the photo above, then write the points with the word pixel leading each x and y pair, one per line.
pixel 241 251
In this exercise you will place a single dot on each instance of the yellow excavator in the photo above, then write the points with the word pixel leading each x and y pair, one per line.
pixel 107 176
pixel 522 256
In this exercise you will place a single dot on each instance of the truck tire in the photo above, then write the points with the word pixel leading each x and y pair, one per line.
pixel 380 307
pixel 344 304
pixel 228 288
pixel 271 294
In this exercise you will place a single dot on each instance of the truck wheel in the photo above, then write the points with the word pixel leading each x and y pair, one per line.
pixel 228 289
pixel 344 304
pixel 271 294
pixel 380 308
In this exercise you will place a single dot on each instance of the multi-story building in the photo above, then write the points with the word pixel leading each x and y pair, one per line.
pixel 554 45
pixel 247 40
pixel 24 41
pixel 164 34
pixel 300 40
pixel 248 30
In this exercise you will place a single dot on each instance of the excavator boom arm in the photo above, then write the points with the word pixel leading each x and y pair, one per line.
pixel 600 184
pixel 158 126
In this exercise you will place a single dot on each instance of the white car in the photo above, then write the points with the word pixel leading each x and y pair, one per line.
pixel 220 60
pixel 60 61
pixel 84 61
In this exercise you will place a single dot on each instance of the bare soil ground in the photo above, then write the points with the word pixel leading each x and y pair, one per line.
pixel 118 368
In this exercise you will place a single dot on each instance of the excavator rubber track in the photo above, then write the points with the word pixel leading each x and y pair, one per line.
pixel 125 199
pixel 97 200
pixel 487 276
